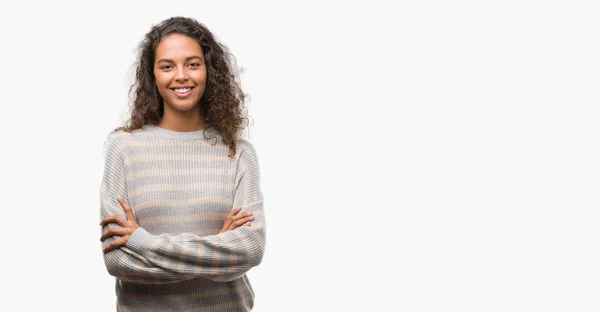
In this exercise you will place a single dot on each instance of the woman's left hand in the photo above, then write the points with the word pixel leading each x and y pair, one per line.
pixel 127 227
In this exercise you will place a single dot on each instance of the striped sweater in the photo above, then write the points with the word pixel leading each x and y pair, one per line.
pixel 181 186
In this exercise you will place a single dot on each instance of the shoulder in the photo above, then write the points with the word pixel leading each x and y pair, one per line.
pixel 113 138
pixel 245 148
pixel 246 154
pixel 120 136
pixel 117 140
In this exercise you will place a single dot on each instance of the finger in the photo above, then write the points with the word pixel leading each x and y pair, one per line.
pixel 235 211
pixel 113 219
pixel 240 222
pixel 247 224
pixel 116 244
pixel 233 216
pixel 114 232
pixel 226 224
pixel 126 207
pixel 242 216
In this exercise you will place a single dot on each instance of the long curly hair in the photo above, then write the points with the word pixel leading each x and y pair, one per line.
pixel 223 101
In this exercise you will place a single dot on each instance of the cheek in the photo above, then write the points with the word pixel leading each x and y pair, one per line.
pixel 160 81
pixel 200 76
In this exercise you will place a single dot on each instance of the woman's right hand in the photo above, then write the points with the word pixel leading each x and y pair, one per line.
pixel 235 220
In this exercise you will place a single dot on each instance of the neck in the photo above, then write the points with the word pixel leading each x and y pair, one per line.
pixel 182 121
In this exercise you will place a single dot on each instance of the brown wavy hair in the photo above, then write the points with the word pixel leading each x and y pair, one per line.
pixel 223 101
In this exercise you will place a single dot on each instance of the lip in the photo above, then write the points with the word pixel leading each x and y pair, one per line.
pixel 182 95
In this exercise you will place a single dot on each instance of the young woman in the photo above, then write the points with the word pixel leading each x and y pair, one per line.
pixel 181 207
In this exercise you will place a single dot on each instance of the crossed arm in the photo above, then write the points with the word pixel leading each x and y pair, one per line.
pixel 128 226
pixel 134 255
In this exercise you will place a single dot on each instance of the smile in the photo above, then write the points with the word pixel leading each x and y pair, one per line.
pixel 182 92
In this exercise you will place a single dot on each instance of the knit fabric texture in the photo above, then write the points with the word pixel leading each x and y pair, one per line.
pixel 181 186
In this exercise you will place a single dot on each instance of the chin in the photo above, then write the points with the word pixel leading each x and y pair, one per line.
pixel 184 107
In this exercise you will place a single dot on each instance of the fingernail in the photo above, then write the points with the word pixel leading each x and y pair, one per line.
pixel 119 197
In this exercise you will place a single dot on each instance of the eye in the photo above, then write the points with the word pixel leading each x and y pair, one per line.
pixel 194 64
pixel 166 67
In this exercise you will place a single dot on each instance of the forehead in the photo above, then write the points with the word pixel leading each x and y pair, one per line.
pixel 176 46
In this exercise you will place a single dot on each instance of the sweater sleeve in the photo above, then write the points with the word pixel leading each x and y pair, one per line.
pixel 164 258
pixel 124 263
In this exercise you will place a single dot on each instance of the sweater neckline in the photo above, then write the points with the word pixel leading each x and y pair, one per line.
pixel 204 134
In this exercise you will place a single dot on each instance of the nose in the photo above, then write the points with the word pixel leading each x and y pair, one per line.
pixel 181 75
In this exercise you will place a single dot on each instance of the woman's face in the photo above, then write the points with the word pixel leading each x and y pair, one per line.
pixel 180 73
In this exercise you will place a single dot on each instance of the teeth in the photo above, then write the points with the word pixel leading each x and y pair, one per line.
pixel 183 90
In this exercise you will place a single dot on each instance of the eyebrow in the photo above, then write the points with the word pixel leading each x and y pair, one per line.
pixel 187 59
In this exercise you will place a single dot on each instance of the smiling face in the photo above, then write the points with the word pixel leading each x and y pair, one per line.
pixel 180 73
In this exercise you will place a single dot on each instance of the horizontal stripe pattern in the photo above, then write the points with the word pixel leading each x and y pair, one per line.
pixel 181 186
